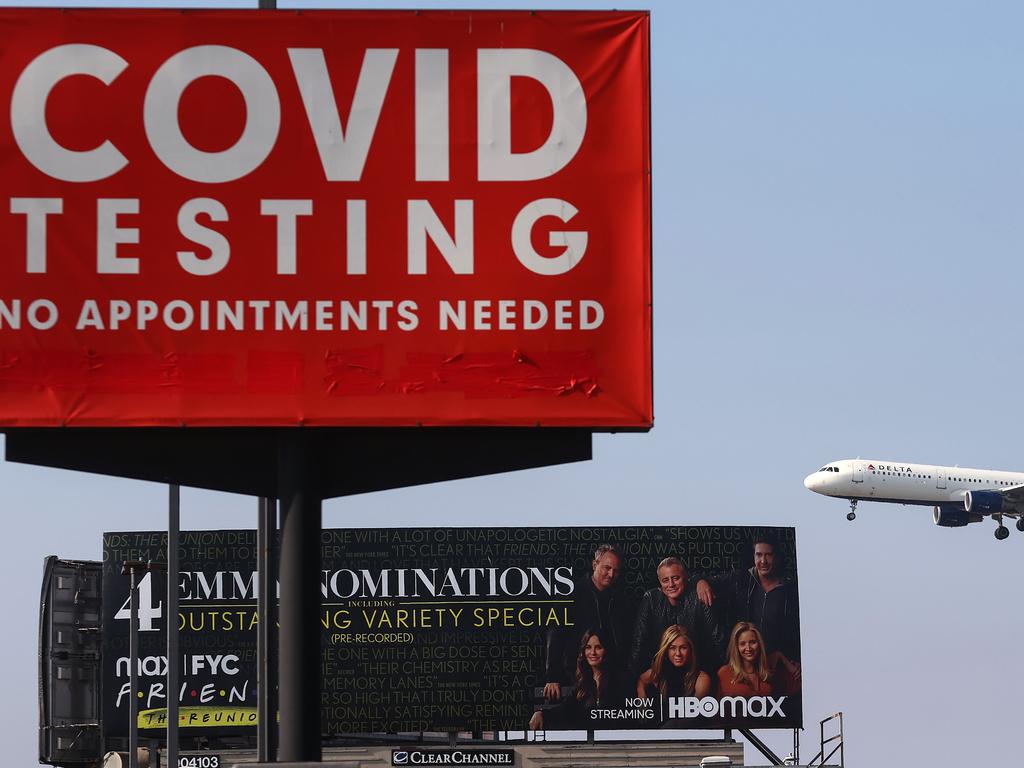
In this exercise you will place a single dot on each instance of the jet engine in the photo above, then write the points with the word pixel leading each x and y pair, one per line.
pixel 950 516
pixel 984 502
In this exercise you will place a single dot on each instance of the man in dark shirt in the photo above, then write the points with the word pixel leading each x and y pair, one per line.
pixel 761 595
pixel 672 603
pixel 599 605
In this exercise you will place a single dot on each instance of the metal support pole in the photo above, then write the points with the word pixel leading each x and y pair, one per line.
pixel 132 568
pixel 299 635
pixel 266 621
pixel 173 656
pixel 761 746
pixel 133 661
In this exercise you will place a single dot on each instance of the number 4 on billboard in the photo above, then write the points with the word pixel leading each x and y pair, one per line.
pixel 147 611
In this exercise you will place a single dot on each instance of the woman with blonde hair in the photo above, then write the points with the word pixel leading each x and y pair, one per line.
pixel 747 672
pixel 675 670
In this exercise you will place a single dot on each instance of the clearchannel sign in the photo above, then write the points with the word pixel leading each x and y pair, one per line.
pixel 372 218
pixel 453 757
pixel 475 629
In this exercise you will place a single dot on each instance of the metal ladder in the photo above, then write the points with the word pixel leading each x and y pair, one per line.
pixel 837 739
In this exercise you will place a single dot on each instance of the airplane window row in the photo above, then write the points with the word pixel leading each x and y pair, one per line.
pixel 929 477
pixel 900 474
pixel 924 477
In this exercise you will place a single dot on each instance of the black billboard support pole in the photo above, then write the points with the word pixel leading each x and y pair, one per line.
pixel 133 568
pixel 266 602
pixel 299 633
pixel 173 658
pixel 133 659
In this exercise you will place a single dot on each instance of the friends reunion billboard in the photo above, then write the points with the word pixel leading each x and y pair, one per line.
pixel 325 217
pixel 467 629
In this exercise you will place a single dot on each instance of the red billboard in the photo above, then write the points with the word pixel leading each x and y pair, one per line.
pixel 386 218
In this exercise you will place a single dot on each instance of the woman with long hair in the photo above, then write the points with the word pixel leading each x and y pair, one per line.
pixel 598 686
pixel 675 670
pixel 593 677
pixel 747 672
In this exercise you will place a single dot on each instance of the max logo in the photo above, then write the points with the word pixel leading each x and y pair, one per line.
pixel 727 706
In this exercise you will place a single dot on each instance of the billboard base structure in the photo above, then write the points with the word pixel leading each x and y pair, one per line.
pixel 660 754
pixel 348 460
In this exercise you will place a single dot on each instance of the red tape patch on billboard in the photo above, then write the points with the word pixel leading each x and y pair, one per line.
pixel 327 218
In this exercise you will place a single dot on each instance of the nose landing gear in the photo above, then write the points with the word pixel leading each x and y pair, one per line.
pixel 852 514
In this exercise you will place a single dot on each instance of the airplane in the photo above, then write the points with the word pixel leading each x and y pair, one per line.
pixel 959 495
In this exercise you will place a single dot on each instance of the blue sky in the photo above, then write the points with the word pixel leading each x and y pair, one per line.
pixel 837 260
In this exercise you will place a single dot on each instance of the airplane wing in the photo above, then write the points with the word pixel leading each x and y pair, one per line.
pixel 997 502
pixel 1013 498
pixel 1008 502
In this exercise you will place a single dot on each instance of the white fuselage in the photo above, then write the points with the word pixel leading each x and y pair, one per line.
pixel 903 483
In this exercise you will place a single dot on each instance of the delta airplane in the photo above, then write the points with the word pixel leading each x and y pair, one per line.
pixel 958 495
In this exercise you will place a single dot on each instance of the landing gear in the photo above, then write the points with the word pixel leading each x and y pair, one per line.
pixel 1002 532
pixel 1020 524
pixel 852 514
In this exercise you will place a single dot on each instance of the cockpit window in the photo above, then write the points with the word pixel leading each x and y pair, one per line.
pixel 823 469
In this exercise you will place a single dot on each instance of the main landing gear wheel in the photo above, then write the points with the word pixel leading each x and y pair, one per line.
pixel 852 514
pixel 1002 532
pixel 1020 523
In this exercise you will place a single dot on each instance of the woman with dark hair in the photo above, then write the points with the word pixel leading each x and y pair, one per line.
pixel 598 686
pixel 747 672
pixel 675 670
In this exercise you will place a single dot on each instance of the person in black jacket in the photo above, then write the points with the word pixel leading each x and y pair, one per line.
pixel 599 604
pixel 760 595
pixel 669 604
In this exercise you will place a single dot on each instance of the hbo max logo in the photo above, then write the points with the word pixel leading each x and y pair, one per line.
pixel 727 706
